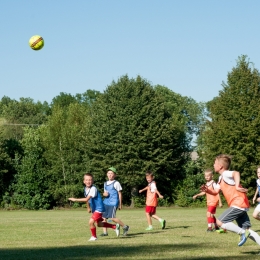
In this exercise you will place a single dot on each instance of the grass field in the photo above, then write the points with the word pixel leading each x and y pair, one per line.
pixel 64 234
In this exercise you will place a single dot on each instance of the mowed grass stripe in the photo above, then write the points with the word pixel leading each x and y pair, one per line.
pixel 64 234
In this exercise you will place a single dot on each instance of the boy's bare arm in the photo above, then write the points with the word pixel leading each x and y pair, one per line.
pixel 205 189
pixel 236 176
pixel 140 191
pixel 120 200
pixel 199 194
pixel 255 196
pixel 159 194
pixel 81 199
pixel 88 207
pixel 220 202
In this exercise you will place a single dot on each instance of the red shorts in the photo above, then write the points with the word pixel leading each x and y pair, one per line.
pixel 97 216
pixel 150 209
pixel 212 209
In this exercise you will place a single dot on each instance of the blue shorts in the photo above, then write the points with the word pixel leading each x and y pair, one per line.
pixel 110 211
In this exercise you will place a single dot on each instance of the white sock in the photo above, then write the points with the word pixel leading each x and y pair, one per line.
pixel 233 227
pixel 254 236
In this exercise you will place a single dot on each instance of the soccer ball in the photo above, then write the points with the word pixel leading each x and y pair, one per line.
pixel 36 42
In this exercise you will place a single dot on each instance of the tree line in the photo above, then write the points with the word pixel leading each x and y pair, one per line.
pixel 133 126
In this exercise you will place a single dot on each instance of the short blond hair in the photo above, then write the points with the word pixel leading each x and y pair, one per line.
pixel 208 171
pixel 224 160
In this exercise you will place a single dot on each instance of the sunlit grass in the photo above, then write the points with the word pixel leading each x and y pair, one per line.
pixel 64 234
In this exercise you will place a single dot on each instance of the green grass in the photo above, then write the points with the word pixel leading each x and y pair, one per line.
pixel 64 234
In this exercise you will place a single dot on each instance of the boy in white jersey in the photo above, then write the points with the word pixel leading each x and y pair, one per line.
pixel 93 197
pixel 235 195
pixel 113 200
pixel 257 192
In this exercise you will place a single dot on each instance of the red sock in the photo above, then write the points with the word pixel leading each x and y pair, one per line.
pixel 108 225
pixel 93 232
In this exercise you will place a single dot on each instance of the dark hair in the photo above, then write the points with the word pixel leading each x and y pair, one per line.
pixel 88 174
pixel 149 173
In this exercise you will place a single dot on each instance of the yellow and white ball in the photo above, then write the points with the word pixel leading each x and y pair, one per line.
pixel 36 42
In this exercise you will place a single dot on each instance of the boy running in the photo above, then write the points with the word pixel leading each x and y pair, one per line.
pixel 113 200
pixel 235 194
pixel 212 201
pixel 93 197
pixel 257 192
pixel 152 201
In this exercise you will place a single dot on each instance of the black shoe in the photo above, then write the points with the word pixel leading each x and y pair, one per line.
pixel 209 229
pixel 104 235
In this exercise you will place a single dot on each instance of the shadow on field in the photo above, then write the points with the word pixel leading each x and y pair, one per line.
pixel 100 251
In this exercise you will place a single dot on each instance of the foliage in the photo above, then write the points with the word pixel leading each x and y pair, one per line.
pixel 234 122
pixel 187 188
pixel 30 189
pixel 65 151
pixel 15 114
pixel 132 130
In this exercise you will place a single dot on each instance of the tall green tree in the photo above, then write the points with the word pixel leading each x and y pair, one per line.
pixel 131 129
pixel 65 150
pixel 16 114
pixel 234 121
pixel 31 186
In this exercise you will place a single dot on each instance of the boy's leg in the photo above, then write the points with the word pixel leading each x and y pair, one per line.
pixel 254 236
pixel 148 212
pixel 256 212
pixel 153 215
pixel 92 229
pixel 104 229
pixel 211 210
pixel 125 227
pixel 225 222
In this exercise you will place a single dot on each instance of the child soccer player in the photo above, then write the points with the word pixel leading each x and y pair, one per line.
pixel 113 200
pixel 151 201
pixel 93 197
pixel 212 201
pixel 257 209
pixel 235 194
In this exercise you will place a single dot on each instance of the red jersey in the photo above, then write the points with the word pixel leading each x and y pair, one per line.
pixel 233 197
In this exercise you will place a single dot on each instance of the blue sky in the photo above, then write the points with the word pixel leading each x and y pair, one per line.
pixel 186 45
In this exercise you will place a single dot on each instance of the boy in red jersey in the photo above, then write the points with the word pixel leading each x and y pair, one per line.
pixel 212 201
pixel 235 194
pixel 151 201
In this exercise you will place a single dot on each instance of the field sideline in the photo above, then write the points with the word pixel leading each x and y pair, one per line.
pixel 64 234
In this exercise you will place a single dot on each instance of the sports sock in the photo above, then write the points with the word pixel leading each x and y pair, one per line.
pixel 108 225
pixel 254 236
pixel 233 227
pixel 93 232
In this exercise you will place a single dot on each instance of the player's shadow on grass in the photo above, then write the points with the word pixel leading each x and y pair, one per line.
pixel 178 227
pixel 102 250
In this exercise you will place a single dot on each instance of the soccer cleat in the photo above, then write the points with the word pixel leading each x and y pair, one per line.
pixel 163 223
pixel 104 235
pixel 92 239
pixel 220 230
pixel 209 229
pixel 149 228
pixel 125 230
pixel 117 230
pixel 243 238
